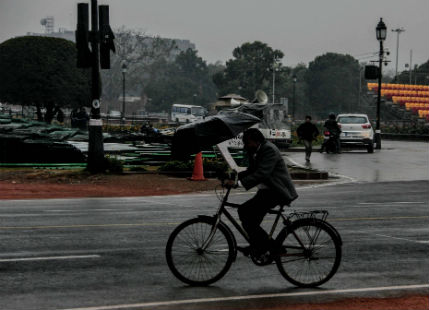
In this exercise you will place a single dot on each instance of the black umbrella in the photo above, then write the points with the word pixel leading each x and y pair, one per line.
pixel 194 137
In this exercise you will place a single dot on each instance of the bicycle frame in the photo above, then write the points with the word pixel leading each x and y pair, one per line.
pixel 222 211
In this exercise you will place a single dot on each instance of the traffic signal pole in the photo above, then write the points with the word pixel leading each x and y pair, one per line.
pixel 101 38
pixel 96 161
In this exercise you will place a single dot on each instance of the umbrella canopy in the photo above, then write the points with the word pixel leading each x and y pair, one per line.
pixel 194 137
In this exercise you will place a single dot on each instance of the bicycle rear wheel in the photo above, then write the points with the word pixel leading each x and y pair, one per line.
pixel 193 264
pixel 311 253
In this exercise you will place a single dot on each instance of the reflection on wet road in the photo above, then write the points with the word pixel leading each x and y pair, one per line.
pixel 396 161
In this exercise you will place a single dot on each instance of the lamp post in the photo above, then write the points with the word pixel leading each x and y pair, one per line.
pixel 124 70
pixel 361 68
pixel 294 79
pixel 275 68
pixel 398 32
pixel 381 33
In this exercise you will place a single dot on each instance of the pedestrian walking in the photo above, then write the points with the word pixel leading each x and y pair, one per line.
pixel 307 132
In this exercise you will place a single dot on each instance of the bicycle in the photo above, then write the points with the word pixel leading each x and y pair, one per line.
pixel 201 250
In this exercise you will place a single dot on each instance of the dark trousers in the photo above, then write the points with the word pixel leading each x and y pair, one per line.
pixel 251 214
pixel 308 148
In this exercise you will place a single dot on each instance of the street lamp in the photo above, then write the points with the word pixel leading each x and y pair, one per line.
pixel 294 79
pixel 381 33
pixel 124 70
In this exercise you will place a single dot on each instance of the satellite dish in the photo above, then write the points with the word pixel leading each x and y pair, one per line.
pixel 260 97
pixel 43 22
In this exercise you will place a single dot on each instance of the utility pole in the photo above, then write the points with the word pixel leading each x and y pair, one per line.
pixel 411 63
pixel 101 40
pixel 398 32
pixel 95 142
pixel 294 79
pixel 124 70
pixel 275 65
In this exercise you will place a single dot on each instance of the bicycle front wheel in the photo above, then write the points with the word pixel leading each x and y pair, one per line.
pixel 193 258
pixel 310 253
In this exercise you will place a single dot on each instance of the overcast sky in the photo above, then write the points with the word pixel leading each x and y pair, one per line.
pixel 302 29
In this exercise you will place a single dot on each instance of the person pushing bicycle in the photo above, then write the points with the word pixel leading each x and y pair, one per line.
pixel 267 171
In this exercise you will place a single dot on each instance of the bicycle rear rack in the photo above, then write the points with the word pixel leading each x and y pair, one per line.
pixel 312 215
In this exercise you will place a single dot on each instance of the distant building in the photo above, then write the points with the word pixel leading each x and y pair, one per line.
pixel 62 33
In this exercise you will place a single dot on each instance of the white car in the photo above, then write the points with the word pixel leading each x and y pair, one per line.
pixel 356 131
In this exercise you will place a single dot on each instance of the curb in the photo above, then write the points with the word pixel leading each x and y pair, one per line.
pixel 310 175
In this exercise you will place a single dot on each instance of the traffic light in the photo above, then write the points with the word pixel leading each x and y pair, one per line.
pixel 106 37
pixel 82 37
pixel 371 72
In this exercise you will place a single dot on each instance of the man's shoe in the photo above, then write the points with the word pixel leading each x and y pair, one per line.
pixel 263 259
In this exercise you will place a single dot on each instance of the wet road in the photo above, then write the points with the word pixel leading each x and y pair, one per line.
pixel 95 254
pixel 396 161
pixel 109 253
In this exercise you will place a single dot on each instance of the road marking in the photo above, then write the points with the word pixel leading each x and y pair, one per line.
pixel 87 225
pixel 26 259
pixel 404 239
pixel 392 218
pixel 59 210
pixel 248 297
pixel 394 202
pixel 177 223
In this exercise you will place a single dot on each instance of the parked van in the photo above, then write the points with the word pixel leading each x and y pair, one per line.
pixel 185 113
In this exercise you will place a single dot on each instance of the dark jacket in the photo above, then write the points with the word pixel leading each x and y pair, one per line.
pixel 267 167
pixel 307 131
pixel 332 126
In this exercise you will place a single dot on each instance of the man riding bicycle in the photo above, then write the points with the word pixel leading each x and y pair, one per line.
pixel 268 172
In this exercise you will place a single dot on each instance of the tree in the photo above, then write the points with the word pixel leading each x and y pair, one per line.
pixel 302 106
pixel 187 80
pixel 41 71
pixel 249 70
pixel 419 75
pixel 145 57
pixel 332 81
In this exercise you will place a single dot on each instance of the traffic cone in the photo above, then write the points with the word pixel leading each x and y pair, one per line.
pixel 198 173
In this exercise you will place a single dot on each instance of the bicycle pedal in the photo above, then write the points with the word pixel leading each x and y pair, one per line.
pixel 263 260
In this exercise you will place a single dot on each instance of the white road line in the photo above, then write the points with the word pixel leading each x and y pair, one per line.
pixel 248 297
pixel 26 259
pixel 65 210
pixel 343 178
pixel 393 202
pixel 404 239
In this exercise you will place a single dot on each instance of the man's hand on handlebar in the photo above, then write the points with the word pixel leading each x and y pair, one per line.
pixel 230 179
pixel 230 183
